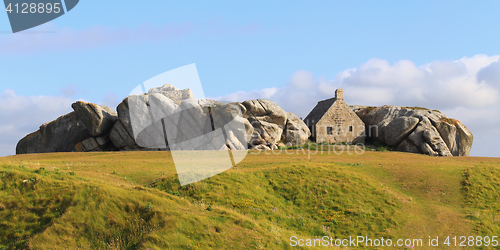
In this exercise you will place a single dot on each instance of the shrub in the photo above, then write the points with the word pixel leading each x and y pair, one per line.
pixel 381 147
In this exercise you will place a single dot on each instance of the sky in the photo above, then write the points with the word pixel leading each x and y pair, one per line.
pixel 441 55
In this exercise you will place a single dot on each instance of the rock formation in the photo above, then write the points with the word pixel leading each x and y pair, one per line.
pixel 98 119
pixel 267 120
pixel 93 127
pixel 416 130
pixel 173 93
pixel 296 131
pixel 60 135
pixel 263 126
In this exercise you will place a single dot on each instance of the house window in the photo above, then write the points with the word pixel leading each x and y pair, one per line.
pixel 350 128
pixel 329 130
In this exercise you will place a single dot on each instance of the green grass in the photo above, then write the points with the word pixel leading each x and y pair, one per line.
pixel 133 200
pixel 482 186
pixel 53 210
pixel 281 195
pixel 381 147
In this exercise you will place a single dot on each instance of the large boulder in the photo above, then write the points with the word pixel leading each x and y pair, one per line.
pixel 60 135
pixel 296 131
pixel 229 118
pixel 99 119
pixel 463 140
pixel 172 93
pixel 265 133
pixel 427 138
pixel 417 130
pixel 407 146
pixel 167 114
pixel 267 119
pixel 398 129
pixel 195 125
pixel 136 128
pixel 456 136
pixel 264 110
pixel 248 130
pixel 448 132
pixel 152 120
pixel 121 134
pixel 95 144
pixel 233 142
pixel 234 111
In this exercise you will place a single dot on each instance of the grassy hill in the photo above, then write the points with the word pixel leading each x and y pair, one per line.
pixel 132 200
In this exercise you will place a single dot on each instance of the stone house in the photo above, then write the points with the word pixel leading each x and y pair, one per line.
pixel 333 121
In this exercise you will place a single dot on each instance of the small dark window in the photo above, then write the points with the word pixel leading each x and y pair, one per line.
pixel 329 130
pixel 350 128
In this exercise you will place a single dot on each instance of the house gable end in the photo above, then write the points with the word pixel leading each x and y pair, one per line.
pixel 339 124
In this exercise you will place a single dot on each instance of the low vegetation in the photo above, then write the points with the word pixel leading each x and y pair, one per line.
pixel 370 108
pixel 449 121
pixel 482 191
pixel 382 147
pixel 415 108
pixel 133 200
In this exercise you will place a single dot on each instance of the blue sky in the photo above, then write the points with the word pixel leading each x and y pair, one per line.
pixel 100 52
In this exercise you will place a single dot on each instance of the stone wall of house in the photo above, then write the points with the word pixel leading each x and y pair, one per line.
pixel 339 124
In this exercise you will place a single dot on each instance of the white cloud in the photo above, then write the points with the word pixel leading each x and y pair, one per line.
pixel 21 115
pixel 467 89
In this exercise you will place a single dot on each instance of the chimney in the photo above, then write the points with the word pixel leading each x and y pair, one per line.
pixel 339 94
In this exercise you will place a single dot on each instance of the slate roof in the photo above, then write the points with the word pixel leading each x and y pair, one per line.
pixel 318 111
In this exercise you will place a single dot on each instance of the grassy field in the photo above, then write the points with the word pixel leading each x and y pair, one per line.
pixel 133 200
